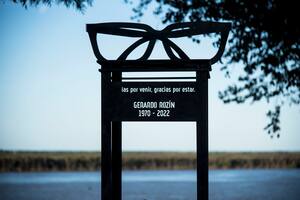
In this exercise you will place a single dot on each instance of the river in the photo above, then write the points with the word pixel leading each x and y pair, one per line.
pixel 259 184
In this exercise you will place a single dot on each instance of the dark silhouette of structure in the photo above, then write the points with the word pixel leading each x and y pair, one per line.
pixel 124 100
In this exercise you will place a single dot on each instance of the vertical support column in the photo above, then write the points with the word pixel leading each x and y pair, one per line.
pixel 202 136
pixel 117 151
pixel 106 160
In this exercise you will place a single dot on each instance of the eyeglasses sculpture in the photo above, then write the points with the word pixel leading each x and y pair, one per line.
pixel 153 98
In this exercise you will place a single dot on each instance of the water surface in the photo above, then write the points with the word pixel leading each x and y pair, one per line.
pixel 153 185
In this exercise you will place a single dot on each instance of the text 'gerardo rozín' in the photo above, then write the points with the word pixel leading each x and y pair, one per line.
pixel 154 108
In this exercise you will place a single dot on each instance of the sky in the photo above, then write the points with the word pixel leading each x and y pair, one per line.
pixel 50 89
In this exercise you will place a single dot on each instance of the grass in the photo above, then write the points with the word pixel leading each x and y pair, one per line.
pixel 91 161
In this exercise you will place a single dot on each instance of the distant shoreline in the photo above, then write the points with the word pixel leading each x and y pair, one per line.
pixel 21 161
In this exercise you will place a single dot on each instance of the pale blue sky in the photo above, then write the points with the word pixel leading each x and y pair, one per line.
pixel 50 89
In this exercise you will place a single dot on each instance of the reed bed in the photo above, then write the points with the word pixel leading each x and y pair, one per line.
pixel 91 161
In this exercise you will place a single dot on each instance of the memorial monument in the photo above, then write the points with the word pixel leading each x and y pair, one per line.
pixel 146 100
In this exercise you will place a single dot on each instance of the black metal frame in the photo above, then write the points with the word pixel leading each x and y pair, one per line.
pixel 111 73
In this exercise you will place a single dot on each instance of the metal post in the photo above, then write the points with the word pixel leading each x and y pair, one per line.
pixel 106 161
pixel 117 152
pixel 202 137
